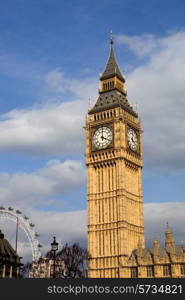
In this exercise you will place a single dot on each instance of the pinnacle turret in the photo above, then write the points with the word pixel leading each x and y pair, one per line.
pixel 169 239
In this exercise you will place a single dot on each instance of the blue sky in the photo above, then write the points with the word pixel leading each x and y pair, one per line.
pixel 51 54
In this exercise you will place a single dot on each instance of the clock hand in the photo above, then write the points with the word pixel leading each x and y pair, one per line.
pixel 106 138
pixel 102 133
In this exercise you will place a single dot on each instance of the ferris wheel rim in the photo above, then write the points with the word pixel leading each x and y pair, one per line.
pixel 27 227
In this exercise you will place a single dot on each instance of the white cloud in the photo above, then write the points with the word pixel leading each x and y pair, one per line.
pixel 68 227
pixel 140 45
pixel 157 85
pixel 81 89
pixel 54 128
pixel 158 214
pixel 28 190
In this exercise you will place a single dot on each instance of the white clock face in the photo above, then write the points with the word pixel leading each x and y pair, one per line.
pixel 102 137
pixel 132 139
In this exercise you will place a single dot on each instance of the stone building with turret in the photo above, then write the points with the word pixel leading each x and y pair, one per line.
pixel 157 261
pixel 10 263
pixel 114 160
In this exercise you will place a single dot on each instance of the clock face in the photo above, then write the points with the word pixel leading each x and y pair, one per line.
pixel 132 139
pixel 102 137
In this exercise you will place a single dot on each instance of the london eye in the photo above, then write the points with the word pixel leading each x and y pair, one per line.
pixel 21 223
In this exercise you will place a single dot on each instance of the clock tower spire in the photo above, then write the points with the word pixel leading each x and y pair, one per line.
pixel 112 78
pixel 112 89
pixel 114 166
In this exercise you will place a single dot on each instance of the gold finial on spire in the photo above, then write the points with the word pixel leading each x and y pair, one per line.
pixel 111 38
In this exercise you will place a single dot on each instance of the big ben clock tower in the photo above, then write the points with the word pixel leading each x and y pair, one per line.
pixel 114 166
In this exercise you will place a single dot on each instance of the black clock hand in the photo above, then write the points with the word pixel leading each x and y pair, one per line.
pixel 102 137
pixel 106 139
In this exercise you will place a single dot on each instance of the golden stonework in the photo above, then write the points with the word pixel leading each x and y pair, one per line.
pixel 116 242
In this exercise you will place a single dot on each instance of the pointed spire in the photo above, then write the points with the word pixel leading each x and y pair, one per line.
pixel 111 38
pixel 167 231
pixel 155 247
pixel 112 68
pixel 112 90
pixel 169 239
pixel 139 244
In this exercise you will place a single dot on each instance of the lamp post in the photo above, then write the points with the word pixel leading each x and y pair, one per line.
pixel 54 248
